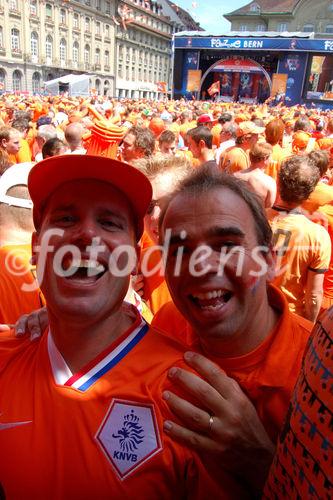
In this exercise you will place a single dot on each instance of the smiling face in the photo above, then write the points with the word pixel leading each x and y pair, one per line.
pixel 84 210
pixel 218 305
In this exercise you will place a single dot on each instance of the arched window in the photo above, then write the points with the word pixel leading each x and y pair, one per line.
pixel 63 50
pixel 98 86
pixel 87 24
pixel 62 16
pixel 34 44
pixel 49 47
pixel 106 87
pixel 17 81
pixel 48 11
pixel 308 28
pixel 107 58
pixel 2 79
pixel 15 39
pixel 98 56
pixel 86 54
pixel 36 83
pixel 75 52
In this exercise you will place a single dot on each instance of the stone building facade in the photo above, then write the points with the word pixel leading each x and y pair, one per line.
pixel 311 16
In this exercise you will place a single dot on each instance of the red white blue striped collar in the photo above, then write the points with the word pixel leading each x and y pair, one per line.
pixel 104 362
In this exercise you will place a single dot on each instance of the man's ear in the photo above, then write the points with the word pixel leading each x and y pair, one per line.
pixel 34 244
pixel 4 143
pixel 202 144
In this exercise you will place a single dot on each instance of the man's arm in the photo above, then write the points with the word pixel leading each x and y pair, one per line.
pixel 228 429
pixel 313 294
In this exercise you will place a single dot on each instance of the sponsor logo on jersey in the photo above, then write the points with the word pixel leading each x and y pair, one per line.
pixel 129 436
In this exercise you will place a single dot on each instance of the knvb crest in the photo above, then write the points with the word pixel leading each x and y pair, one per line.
pixel 129 436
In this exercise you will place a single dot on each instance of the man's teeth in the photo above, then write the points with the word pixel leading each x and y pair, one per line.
pixel 91 265
pixel 215 294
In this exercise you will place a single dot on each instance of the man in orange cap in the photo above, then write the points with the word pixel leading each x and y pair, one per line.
pixel 100 432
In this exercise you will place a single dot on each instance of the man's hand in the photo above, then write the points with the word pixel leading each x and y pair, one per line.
pixel 32 324
pixel 225 423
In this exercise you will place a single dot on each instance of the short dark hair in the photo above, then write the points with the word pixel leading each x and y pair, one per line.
pixel 52 147
pixel 302 123
pixel 207 178
pixel 201 134
pixel 321 160
pixel 224 118
pixel 167 136
pixel 298 177
pixel 144 139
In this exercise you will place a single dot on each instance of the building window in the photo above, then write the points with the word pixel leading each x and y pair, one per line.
pixel 106 58
pixel 2 79
pixel 13 5
pixel 98 28
pixel 36 83
pixel 98 56
pixel 282 27
pixel 329 28
pixel 63 50
pixel 98 86
pixel 49 47
pixel 1 37
pixel 76 20
pixel 98 4
pixel 255 7
pixel 261 27
pixel 48 11
pixel 243 27
pixel 17 81
pixel 308 28
pixel 75 52
pixel 86 54
pixel 62 16
pixel 107 31
pixel 15 39
pixel 33 7
pixel 107 7
pixel 34 44
pixel 87 24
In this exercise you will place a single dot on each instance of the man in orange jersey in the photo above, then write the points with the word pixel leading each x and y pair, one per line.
pixel 19 292
pixel 237 158
pixel 82 406
pixel 10 141
pixel 303 247
pixel 302 467
pixel 224 308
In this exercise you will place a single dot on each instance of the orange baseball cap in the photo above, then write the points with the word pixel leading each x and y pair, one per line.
pixel 47 175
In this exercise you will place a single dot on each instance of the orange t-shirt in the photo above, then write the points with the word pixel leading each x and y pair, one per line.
pixel 216 132
pixel 97 433
pixel 327 212
pixel 301 245
pixel 16 272
pixel 322 195
pixel 234 159
pixel 302 467
pixel 156 292
pixel 267 374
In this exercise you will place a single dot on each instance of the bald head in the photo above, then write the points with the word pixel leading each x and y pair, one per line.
pixel 73 135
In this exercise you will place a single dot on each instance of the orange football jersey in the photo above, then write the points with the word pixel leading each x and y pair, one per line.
pixel 97 433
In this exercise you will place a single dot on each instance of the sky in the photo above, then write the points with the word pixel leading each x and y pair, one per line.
pixel 209 13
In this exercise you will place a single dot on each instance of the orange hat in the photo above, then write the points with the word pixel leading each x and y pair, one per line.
pixel 300 140
pixel 157 126
pixel 249 128
pixel 47 175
